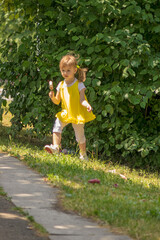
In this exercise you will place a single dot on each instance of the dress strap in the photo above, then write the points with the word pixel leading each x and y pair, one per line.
pixel 61 85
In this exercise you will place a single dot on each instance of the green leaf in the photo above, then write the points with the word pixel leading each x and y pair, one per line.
pixel 105 125
pixel 131 120
pixel 87 61
pixel 90 50
pixel 99 118
pixel 22 48
pixel 119 146
pixel 112 97
pixel 108 153
pixel 115 54
pixel 108 69
pixel 95 82
pixel 97 48
pixel 107 51
pixel 104 113
pixel 156 29
pixel 131 72
pixel 115 65
pixel 100 67
pixel 109 109
pixel 24 80
pixel 125 74
pixel 118 32
pixel 135 62
pixel 155 77
pixel 112 140
pixel 145 99
pixel 99 36
pixel 50 14
pixel 147 7
pixel 8 73
pixel 135 99
pixel 92 95
pixel 75 38
pixel 46 3
pixel 123 43
pixel 143 104
pixel 93 39
pixel 143 72
pixel 124 62
pixel 26 64
pixel 26 120
pixel 149 94
pixel 92 17
pixel 99 74
pixel 144 153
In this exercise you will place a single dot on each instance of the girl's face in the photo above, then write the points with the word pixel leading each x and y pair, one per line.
pixel 68 72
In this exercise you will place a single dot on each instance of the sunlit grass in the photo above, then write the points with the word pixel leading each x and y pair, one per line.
pixel 130 206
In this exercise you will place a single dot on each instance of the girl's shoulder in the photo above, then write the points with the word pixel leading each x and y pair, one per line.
pixel 81 86
pixel 59 85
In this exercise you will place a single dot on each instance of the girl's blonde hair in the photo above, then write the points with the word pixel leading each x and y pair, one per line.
pixel 70 60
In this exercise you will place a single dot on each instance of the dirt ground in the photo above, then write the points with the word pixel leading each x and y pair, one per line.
pixel 14 226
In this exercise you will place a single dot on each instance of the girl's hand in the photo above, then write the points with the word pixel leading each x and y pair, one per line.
pixel 89 108
pixel 84 101
pixel 55 98
pixel 51 85
pixel 87 105
pixel 51 94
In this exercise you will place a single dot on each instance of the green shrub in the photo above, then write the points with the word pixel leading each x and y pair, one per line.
pixel 117 40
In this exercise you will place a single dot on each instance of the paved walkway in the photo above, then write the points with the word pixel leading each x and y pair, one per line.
pixel 13 226
pixel 28 190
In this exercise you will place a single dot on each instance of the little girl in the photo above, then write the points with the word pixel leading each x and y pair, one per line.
pixel 75 107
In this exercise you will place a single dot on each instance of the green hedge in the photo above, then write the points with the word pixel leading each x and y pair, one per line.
pixel 117 40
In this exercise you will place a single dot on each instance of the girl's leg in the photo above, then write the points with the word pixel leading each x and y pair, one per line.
pixel 82 149
pixel 57 139
pixel 57 130
pixel 80 138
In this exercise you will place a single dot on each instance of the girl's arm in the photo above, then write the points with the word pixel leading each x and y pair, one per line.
pixel 55 99
pixel 83 101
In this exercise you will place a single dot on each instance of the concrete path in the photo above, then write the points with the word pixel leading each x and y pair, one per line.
pixel 28 190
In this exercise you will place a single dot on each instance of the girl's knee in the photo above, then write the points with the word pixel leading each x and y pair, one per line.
pixel 58 126
pixel 79 133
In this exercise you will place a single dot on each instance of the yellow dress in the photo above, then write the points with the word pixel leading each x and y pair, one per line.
pixel 72 110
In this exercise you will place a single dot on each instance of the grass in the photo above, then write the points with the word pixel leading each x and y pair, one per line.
pixel 130 206
pixel 2 193
pixel 33 224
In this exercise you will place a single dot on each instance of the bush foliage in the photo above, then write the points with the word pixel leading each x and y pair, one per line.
pixel 117 40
